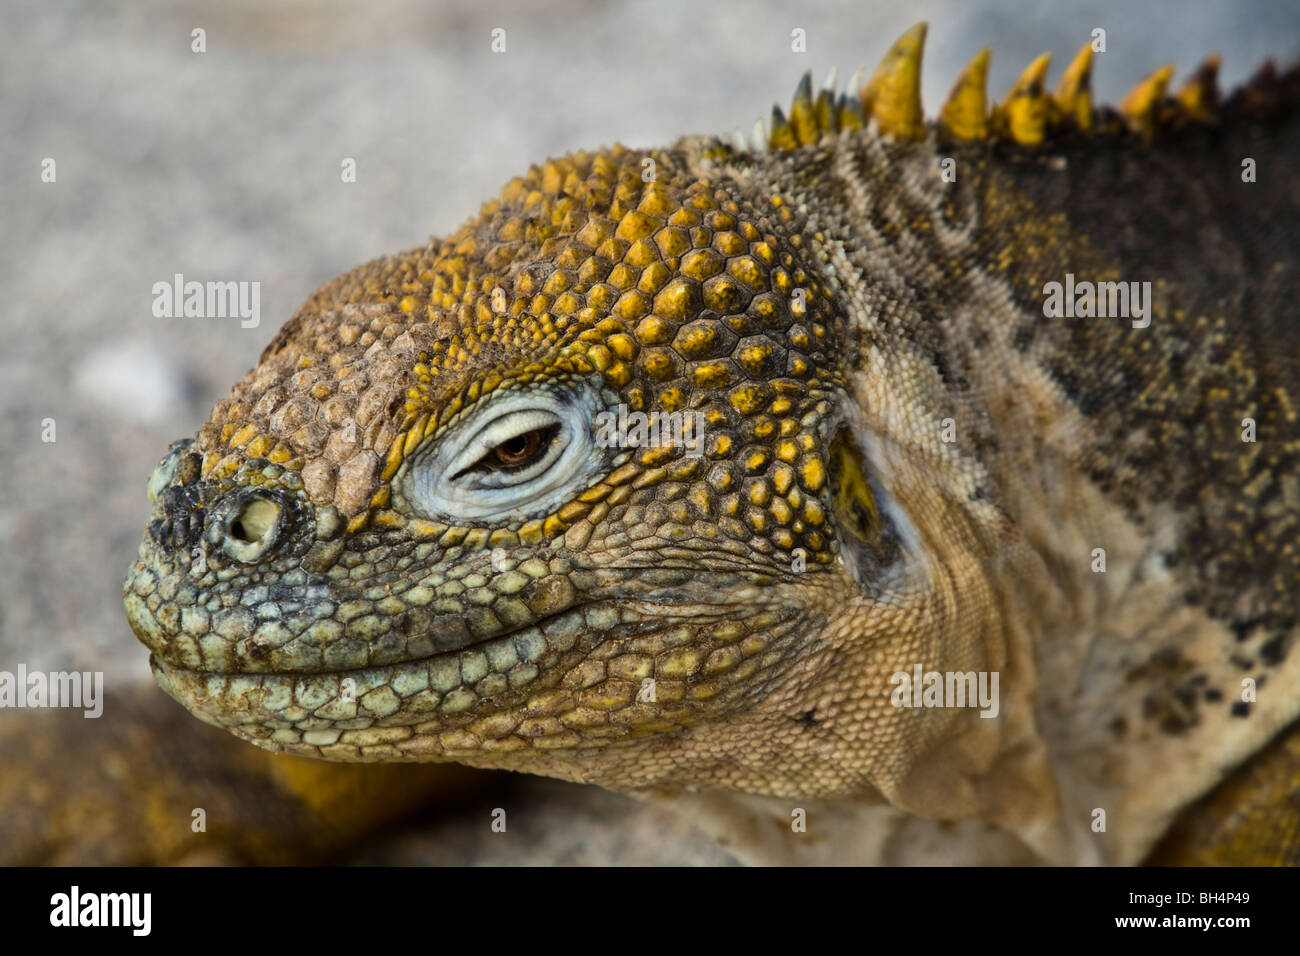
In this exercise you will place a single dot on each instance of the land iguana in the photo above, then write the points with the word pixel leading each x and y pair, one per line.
pixel 408 536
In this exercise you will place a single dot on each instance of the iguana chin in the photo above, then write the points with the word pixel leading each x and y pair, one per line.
pixel 401 538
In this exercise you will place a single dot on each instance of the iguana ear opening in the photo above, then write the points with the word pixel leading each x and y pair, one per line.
pixel 861 512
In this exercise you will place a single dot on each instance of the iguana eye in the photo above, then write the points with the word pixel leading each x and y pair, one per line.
pixel 518 456
pixel 510 449
pixel 520 451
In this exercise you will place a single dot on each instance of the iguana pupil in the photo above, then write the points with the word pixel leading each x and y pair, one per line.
pixel 520 449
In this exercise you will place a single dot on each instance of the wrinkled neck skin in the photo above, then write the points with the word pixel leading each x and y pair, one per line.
pixel 940 287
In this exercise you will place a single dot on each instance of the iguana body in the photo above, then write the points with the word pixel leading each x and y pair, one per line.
pixel 400 540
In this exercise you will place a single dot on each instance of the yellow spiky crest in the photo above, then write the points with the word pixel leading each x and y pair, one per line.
pixel 803 119
pixel 1073 97
pixel 892 97
pixel 965 112
pixel 1027 115
pixel 1139 107
pixel 1198 97
pixel 1024 113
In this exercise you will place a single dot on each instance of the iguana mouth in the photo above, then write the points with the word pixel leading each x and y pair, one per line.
pixel 452 705
pixel 252 659
pixel 329 625
pixel 259 705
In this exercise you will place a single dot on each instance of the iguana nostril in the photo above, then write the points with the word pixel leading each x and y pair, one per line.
pixel 252 528
pixel 254 520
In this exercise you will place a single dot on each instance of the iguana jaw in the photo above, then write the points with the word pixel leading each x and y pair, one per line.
pixel 443 708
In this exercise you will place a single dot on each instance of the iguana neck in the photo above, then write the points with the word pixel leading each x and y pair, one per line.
pixel 1104 458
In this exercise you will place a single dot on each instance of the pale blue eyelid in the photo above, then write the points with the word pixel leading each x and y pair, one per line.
pixel 437 481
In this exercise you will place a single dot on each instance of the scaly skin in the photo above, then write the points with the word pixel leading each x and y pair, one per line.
pixel 325 575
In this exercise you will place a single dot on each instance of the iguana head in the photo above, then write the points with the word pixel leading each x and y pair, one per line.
pixel 563 480
pixel 637 478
